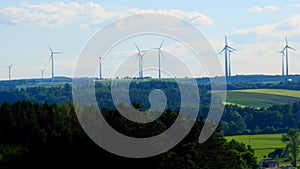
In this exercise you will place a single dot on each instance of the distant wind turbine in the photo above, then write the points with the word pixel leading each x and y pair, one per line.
pixel 100 67
pixel 140 55
pixel 159 56
pixel 52 53
pixel 42 71
pixel 287 55
pixel 282 61
pixel 226 50
pixel 9 71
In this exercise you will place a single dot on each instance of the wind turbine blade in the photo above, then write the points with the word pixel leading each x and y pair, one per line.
pixel 231 48
pixel 283 49
pixel 162 43
pixel 137 47
pixel 57 52
pixel 231 51
pixel 290 48
pixel 161 53
pixel 222 50
pixel 50 48
pixel 50 57
pixel 286 41
pixel 226 42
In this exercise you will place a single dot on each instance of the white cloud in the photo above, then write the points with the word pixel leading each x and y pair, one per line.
pixel 289 26
pixel 88 14
pixel 271 8
pixel 255 9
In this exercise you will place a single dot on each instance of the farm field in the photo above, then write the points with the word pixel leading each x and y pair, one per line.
pixel 263 144
pixel 280 92
pixel 261 97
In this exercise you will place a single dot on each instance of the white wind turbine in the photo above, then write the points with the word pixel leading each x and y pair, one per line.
pixel 226 50
pixel 159 58
pixel 140 55
pixel 282 61
pixel 52 53
pixel 9 71
pixel 285 49
pixel 100 67
pixel 42 71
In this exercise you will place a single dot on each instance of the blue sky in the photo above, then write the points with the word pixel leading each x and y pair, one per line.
pixel 255 28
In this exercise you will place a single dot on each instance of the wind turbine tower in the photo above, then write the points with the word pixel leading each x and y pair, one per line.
pixel 285 49
pixel 9 72
pixel 159 58
pixel 282 61
pixel 227 50
pixel 42 71
pixel 52 53
pixel 140 55
pixel 100 67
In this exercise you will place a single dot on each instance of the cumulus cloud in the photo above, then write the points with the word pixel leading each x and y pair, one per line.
pixel 88 14
pixel 261 9
pixel 271 8
pixel 289 26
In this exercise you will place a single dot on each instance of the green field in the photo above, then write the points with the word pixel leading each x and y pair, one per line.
pixel 279 92
pixel 263 144
pixel 262 97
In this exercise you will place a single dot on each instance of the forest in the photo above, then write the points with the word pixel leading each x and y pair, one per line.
pixel 46 135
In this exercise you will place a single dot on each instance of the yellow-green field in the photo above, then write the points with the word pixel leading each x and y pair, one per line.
pixel 263 144
pixel 261 97
pixel 280 92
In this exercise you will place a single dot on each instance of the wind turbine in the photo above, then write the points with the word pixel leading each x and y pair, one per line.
pixel 100 67
pixel 287 55
pixel 9 71
pixel 141 59
pixel 282 61
pixel 52 53
pixel 42 71
pixel 159 55
pixel 226 50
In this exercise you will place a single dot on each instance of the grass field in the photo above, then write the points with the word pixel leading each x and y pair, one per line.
pixel 263 144
pixel 261 97
pixel 279 92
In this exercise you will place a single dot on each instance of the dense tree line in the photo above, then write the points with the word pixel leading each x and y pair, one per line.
pixel 139 92
pixel 249 120
pixel 48 135
pixel 289 85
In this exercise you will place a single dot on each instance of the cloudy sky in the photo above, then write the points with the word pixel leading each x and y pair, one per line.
pixel 255 28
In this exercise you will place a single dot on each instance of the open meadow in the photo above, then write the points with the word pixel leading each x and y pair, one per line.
pixel 263 144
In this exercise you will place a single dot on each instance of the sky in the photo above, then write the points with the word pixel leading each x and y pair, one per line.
pixel 255 28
